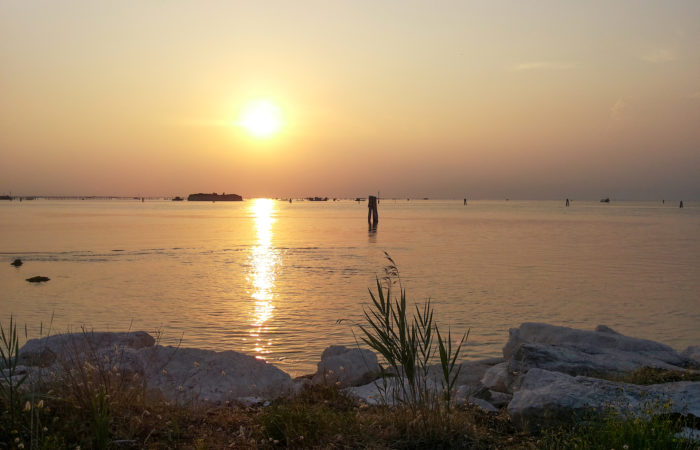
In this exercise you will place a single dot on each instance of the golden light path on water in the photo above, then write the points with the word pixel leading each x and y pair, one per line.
pixel 261 277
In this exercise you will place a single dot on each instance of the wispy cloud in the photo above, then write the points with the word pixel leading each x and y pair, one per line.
pixel 544 65
pixel 658 56
pixel 617 110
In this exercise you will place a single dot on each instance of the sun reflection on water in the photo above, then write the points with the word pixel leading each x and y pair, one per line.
pixel 261 277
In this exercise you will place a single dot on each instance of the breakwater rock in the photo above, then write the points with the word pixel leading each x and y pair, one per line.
pixel 548 374
pixel 549 398
pixel 556 372
pixel 38 279
pixel 178 374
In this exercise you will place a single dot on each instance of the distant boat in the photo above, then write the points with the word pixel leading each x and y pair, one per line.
pixel 605 200
pixel 317 199
pixel 214 197
pixel 178 199
pixel 360 199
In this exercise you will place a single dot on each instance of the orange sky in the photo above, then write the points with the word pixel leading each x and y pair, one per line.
pixel 438 99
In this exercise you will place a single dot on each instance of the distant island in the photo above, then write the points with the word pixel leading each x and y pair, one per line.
pixel 214 197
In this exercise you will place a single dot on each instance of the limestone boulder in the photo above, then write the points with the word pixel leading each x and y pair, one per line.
pixel 347 366
pixel 601 353
pixel 83 346
pixel 547 398
pixel 191 374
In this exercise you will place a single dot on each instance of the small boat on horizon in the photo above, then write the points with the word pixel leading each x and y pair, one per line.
pixel 178 199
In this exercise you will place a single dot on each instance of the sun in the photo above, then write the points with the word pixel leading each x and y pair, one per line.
pixel 261 118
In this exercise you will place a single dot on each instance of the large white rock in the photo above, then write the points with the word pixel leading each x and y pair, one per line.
pixel 347 367
pixel 547 397
pixel 178 374
pixel 186 374
pixel 602 352
pixel 80 346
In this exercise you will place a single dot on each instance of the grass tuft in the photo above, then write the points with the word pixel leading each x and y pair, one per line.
pixel 651 426
pixel 409 342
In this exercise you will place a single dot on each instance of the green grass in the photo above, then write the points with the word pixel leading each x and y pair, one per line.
pixel 651 375
pixel 650 427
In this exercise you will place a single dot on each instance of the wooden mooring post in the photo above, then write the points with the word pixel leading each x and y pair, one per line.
pixel 372 213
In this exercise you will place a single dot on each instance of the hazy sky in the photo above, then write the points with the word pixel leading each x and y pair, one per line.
pixel 541 99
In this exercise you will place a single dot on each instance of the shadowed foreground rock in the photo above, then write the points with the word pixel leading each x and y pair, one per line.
pixel 547 398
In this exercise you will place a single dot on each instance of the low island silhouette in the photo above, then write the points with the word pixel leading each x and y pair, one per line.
pixel 214 197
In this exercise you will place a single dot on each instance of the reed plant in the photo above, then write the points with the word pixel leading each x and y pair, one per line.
pixel 10 380
pixel 410 341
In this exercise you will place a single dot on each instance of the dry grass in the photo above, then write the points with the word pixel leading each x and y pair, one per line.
pixel 651 375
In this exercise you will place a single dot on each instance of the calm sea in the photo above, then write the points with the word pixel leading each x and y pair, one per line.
pixel 271 279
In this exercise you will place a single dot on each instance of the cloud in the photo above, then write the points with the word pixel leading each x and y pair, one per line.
pixel 658 56
pixel 545 65
pixel 617 110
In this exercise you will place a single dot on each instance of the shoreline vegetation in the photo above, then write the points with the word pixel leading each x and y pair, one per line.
pixel 95 403
pixel 555 387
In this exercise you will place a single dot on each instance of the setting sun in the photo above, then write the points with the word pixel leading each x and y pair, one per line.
pixel 261 118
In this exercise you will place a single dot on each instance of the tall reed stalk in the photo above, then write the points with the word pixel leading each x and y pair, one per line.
pixel 10 382
pixel 410 343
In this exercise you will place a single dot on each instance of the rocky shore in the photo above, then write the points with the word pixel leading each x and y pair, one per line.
pixel 547 374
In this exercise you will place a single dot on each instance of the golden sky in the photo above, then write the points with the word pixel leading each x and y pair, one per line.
pixel 491 99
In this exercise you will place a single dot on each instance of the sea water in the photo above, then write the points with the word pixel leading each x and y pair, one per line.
pixel 274 279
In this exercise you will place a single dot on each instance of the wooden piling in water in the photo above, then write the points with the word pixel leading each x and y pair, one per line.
pixel 372 212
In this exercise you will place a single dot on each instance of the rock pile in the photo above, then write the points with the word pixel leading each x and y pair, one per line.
pixel 547 374
pixel 555 372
